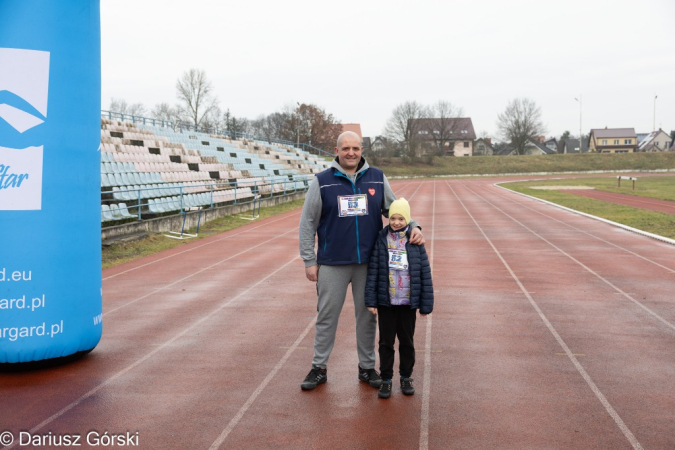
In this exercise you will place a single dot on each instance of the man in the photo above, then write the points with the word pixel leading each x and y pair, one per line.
pixel 344 206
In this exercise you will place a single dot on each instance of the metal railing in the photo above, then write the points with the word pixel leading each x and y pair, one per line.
pixel 185 126
pixel 183 198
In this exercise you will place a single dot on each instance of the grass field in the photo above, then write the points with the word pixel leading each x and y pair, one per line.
pixel 661 187
pixel 505 165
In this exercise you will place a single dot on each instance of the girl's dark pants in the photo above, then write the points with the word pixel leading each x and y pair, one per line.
pixel 396 321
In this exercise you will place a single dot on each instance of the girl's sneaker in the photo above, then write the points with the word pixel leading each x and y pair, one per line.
pixel 385 389
pixel 407 386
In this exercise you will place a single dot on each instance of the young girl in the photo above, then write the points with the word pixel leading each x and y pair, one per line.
pixel 398 284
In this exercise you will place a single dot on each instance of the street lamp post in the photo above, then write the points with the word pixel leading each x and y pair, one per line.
pixel 581 136
pixel 297 130
pixel 654 125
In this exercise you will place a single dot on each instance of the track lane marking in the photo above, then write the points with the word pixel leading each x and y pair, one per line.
pixel 199 246
pixel 585 232
pixel 589 381
pixel 215 240
pixel 157 349
pixel 237 417
pixel 600 277
pixel 242 411
pixel 639 199
pixel 426 387
pixel 590 216
pixel 197 272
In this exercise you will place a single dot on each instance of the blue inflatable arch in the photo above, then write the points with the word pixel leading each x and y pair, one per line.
pixel 50 252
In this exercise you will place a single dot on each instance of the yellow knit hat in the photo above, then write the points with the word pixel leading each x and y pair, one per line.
pixel 402 207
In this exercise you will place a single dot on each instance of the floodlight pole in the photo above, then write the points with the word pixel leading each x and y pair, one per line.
pixel 581 135
pixel 654 125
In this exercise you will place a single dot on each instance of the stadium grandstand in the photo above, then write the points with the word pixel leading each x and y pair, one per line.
pixel 151 169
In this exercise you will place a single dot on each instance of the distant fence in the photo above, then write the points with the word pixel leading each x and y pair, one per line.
pixel 139 203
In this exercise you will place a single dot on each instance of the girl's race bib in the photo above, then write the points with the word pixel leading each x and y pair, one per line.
pixel 398 259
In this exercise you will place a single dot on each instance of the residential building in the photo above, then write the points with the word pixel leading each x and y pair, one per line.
pixel 483 147
pixel 366 143
pixel 641 137
pixel 378 144
pixel 533 146
pixel 656 141
pixel 613 140
pixel 572 146
pixel 355 127
pixel 552 144
pixel 450 136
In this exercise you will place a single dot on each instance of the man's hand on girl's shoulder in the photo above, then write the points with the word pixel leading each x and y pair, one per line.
pixel 416 236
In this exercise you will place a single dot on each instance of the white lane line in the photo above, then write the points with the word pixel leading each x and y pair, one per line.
pixel 590 216
pixel 606 281
pixel 240 414
pixel 213 265
pixel 600 396
pixel 199 246
pixel 637 200
pixel 398 188
pixel 151 353
pixel 237 417
pixel 197 272
pixel 418 188
pixel 426 387
pixel 585 232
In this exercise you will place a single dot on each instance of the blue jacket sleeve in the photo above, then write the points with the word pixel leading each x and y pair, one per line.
pixel 427 296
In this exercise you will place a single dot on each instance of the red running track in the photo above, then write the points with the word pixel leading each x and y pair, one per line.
pixel 550 330
pixel 635 201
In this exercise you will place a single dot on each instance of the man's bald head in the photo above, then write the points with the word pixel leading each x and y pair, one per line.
pixel 351 134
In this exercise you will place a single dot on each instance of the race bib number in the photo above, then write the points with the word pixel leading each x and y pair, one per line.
pixel 398 259
pixel 353 205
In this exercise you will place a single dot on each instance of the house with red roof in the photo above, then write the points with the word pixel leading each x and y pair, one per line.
pixel 355 127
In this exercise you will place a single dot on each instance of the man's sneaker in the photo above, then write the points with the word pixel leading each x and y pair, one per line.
pixel 406 386
pixel 371 376
pixel 315 377
pixel 385 389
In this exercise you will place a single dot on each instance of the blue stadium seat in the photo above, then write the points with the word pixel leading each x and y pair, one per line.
pixel 124 211
pixel 106 215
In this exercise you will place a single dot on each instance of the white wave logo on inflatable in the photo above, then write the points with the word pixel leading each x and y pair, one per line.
pixel 24 85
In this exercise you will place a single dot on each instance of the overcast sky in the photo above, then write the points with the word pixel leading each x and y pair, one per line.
pixel 359 59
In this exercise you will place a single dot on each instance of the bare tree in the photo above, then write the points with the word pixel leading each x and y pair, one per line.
pixel 214 120
pixel 236 125
pixel 163 111
pixel 483 134
pixel 242 125
pixel 442 124
pixel 120 105
pixel 261 126
pixel 520 121
pixel 194 92
pixel 403 126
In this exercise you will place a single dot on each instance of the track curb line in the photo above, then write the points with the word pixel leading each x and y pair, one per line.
pixel 616 224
